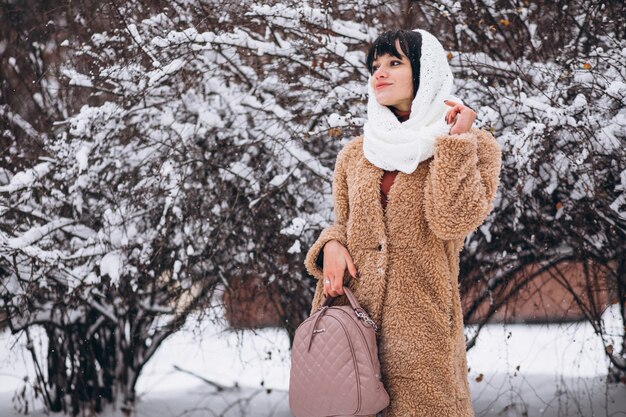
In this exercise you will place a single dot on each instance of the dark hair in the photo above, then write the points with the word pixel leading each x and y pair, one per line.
pixel 411 44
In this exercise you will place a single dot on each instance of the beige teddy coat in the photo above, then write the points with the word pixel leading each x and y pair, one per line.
pixel 408 259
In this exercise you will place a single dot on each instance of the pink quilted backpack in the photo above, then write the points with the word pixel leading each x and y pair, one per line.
pixel 334 363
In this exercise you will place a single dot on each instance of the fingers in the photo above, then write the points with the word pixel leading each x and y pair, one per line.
pixel 333 286
pixel 448 117
pixel 351 266
pixel 453 112
pixel 334 272
pixel 461 117
pixel 326 285
pixel 455 105
pixel 337 286
pixel 451 116
pixel 456 109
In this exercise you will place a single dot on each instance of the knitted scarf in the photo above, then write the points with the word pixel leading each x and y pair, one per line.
pixel 393 145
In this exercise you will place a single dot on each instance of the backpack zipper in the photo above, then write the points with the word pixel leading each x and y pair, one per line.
pixel 369 352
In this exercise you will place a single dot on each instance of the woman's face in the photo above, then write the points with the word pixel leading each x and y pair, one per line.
pixel 392 80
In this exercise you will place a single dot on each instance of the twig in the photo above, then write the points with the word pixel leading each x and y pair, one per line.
pixel 219 387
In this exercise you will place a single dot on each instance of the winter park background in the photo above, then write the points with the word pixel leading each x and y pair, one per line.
pixel 165 165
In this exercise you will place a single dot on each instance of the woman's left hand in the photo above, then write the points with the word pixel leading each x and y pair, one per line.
pixel 464 117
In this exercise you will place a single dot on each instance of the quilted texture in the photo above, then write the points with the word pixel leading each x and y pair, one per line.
pixel 334 366
pixel 408 260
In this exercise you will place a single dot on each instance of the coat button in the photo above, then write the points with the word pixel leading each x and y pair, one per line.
pixel 380 247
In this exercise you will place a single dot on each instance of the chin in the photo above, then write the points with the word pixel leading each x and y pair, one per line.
pixel 383 101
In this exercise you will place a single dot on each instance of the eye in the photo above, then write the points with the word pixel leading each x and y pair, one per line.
pixel 396 62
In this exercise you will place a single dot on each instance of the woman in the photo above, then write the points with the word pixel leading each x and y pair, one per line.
pixel 406 194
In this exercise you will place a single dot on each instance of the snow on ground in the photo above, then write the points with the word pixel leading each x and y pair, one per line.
pixel 561 372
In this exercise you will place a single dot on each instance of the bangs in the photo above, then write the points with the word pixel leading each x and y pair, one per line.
pixel 386 44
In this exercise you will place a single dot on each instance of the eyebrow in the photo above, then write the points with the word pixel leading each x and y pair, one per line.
pixel 392 57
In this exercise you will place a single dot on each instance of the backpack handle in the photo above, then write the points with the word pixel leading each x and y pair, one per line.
pixel 351 298
pixel 354 303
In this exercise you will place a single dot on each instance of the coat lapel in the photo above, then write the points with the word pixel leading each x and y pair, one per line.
pixel 366 209
pixel 367 236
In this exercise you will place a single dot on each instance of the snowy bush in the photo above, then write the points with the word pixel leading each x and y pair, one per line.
pixel 189 166
pixel 167 149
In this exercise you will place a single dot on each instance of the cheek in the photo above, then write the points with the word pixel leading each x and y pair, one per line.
pixel 409 82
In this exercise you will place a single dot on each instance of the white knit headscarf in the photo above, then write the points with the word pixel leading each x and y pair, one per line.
pixel 393 145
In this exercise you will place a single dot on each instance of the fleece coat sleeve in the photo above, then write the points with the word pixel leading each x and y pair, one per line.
pixel 462 182
pixel 314 260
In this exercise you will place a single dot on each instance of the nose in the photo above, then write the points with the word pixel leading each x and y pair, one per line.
pixel 379 73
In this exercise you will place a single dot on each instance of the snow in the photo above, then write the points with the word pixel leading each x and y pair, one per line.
pixel 161 74
pixel 583 187
pixel 82 157
pixel 295 228
pixel 606 139
pixel 210 117
pixel 295 248
pixel 77 78
pixel 620 201
pixel 546 369
pixel 336 120
pixel 279 179
pixel 242 170
pixel 27 178
pixel 570 349
pixel 37 233
pixel 111 265
pixel 132 28
pixel 618 89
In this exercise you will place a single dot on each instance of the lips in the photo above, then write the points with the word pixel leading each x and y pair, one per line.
pixel 381 85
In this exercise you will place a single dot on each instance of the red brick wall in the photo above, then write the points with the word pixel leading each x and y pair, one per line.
pixel 251 303
pixel 546 298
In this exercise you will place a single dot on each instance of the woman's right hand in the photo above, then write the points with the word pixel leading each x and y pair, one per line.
pixel 336 260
